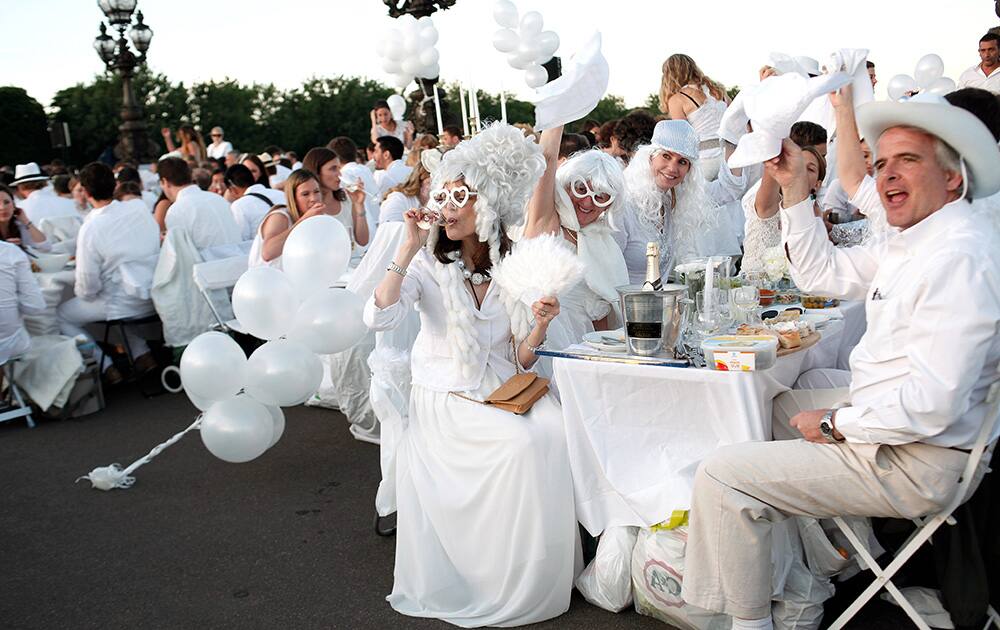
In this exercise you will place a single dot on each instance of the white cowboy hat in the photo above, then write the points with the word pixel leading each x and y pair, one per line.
pixel 960 129
pixel 30 172
pixel 267 159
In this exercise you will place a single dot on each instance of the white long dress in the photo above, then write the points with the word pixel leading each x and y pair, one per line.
pixel 487 529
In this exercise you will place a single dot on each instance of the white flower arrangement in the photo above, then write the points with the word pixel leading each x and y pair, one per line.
pixel 775 263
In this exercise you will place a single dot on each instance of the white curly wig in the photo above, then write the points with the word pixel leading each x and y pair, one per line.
pixel 684 215
pixel 502 166
pixel 603 172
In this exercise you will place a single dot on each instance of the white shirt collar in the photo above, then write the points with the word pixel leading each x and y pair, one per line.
pixel 186 191
pixel 916 238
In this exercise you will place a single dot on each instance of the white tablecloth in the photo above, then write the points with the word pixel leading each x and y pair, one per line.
pixel 636 434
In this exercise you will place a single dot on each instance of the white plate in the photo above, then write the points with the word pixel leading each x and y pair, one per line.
pixel 607 340
pixel 816 319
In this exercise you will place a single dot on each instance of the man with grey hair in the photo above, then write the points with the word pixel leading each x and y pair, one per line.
pixel 919 376
pixel 219 147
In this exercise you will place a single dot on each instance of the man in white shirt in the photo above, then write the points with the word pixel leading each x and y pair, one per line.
pixel 919 377
pixel 116 252
pixel 219 147
pixel 391 171
pixel 205 216
pixel 986 74
pixel 251 201
pixel 351 172
pixel 39 200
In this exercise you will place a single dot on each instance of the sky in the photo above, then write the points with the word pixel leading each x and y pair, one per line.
pixel 287 41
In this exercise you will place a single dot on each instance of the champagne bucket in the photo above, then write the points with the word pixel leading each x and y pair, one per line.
pixel 652 318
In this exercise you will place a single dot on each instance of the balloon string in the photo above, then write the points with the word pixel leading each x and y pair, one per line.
pixel 162 447
pixel 111 477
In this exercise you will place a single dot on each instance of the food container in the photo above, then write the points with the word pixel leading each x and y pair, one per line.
pixel 740 353
pixel 818 301
pixel 652 318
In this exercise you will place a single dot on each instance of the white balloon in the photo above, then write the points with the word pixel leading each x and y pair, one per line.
pixel 329 322
pixel 517 62
pixel 400 81
pixel 213 367
pixel 505 13
pixel 942 86
pixel 505 40
pixel 425 21
pixel 429 57
pixel 929 69
pixel 900 85
pixel 531 24
pixel 394 49
pixel 237 430
pixel 548 44
pixel 397 105
pixel 315 255
pixel 201 403
pixel 527 53
pixel 411 65
pixel 428 36
pixel 263 300
pixel 391 66
pixel 535 76
pixel 283 373
pixel 432 71
pixel 407 21
pixel 278 423
pixel 412 44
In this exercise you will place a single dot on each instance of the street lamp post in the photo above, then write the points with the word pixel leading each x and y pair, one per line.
pixel 118 57
pixel 424 116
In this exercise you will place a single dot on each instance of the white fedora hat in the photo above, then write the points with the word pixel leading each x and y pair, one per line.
pixel 960 129
pixel 677 136
pixel 24 173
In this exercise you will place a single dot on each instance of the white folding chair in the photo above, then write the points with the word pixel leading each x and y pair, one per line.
pixel 926 527
pixel 15 407
pixel 214 279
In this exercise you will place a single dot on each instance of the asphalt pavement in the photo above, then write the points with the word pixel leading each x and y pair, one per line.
pixel 285 541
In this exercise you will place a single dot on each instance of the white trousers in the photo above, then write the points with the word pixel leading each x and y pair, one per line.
pixel 76 313
pixel 742 489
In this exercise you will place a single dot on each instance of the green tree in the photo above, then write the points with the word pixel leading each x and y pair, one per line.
pixel 234 107
pixel 24 126
pixel 93 110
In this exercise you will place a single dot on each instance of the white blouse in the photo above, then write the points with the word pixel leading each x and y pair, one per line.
pixel 432 363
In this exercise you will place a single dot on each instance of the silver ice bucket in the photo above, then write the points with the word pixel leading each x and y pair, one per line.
pixel 652 318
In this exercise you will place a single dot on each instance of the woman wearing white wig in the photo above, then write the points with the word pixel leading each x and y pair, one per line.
pixel 487 526
pixel 575 200
pixel 670 202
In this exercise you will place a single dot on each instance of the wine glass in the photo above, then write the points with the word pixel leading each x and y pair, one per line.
pixel 707 317
pixel 745 299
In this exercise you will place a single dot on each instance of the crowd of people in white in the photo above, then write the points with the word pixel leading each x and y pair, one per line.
pixel 897 208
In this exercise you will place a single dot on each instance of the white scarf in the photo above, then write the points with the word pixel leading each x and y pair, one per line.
pixel 602 258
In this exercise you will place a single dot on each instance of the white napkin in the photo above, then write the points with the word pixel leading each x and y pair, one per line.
pixel 852 62
pixel 577 92
pixel 773 107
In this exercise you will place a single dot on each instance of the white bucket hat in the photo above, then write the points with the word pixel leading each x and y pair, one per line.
pixel 960 129
pixel 676 136
pixel 30 172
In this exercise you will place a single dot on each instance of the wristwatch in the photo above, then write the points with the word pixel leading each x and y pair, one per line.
pixel 826 426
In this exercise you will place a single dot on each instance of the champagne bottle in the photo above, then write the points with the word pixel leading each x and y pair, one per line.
pixel 653 282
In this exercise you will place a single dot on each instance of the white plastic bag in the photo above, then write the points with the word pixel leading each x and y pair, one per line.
pixel 657 575
pixel 800 604
pixel 607 580
pixel 927 602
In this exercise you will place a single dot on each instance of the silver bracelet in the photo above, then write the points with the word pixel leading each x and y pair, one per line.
pixel 393 267
pixel 535 349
